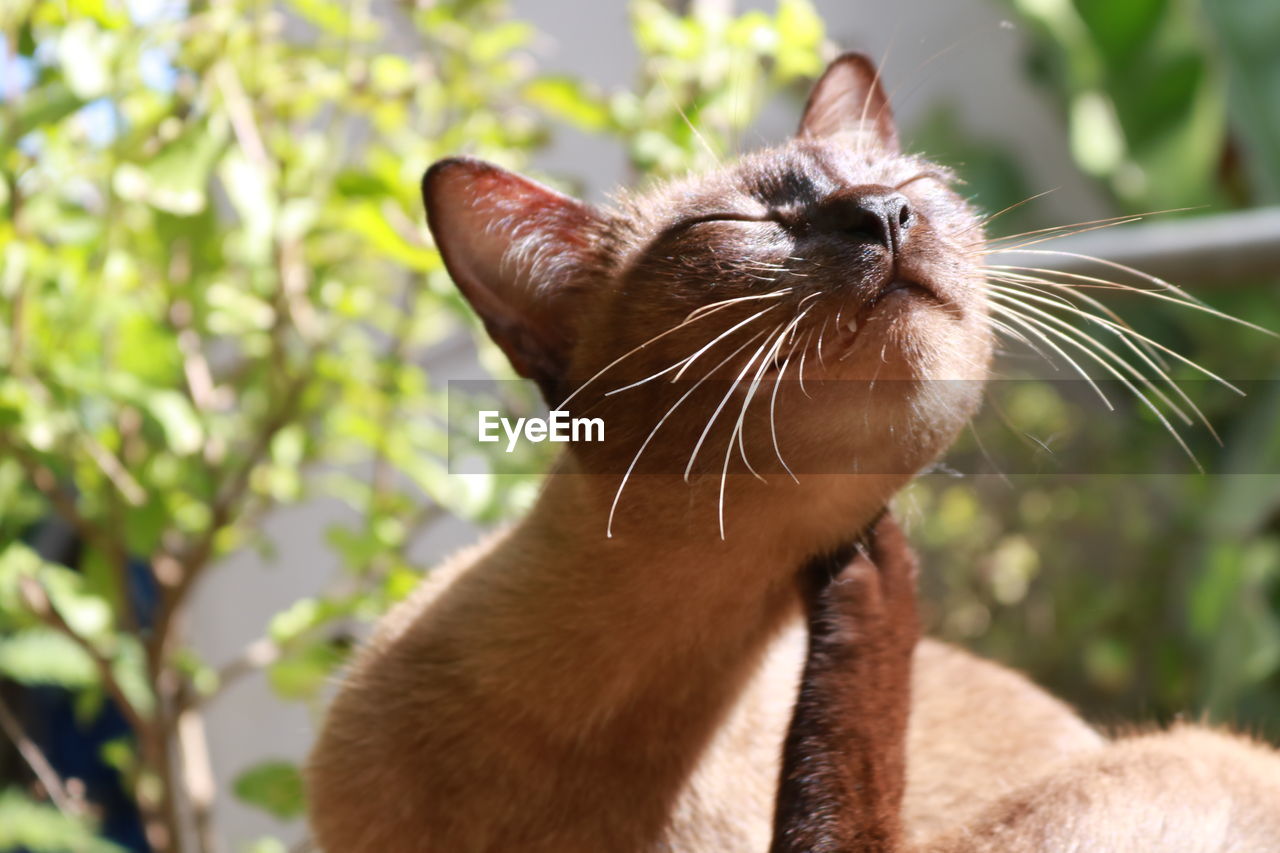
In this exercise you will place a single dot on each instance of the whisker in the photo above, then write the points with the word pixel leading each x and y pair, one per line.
pixel 687 320
pixel 697 134
pixel 988 249
pixel 1018 319
pixel 1101 349
pixel 770 359
pixel 735 327
pixel 738 430
pixel 982 448
pixel 773 424
pixel 1177 436
pixel 987 220
pixel 1011 332
pixel 1127 330
pixel 1195 303
pixel 635 459
pixel 716 306
pixel 803 351
pixel 872 89
pixel 1024 279
pixel 1106 222
pixel 1121 330
pixel 684 363
pixel 711 421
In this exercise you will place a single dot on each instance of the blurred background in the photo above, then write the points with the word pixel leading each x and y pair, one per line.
pixel 224 337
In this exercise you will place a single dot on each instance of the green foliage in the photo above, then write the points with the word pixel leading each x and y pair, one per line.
pixel 704 78
pixel 274 786
pixel 1142 92
pixel 40 828
pixel 1246 30
pixel 215 280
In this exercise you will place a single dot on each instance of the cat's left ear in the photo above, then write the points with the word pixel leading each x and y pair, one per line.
pixel 849 97
pixel 517 250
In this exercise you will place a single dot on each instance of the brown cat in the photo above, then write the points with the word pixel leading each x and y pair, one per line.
pixel 1189 789
pixel 616 671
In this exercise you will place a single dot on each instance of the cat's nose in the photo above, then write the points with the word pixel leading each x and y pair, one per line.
pixel 880 214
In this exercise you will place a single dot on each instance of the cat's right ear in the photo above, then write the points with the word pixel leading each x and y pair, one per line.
pixel 516 249
pixel 849 96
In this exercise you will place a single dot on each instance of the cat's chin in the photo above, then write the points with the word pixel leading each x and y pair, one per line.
pixel 909 332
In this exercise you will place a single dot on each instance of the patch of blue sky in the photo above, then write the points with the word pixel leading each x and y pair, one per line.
pixel 101 121
pixel 156 11
pixel 17 73
pixel 156 69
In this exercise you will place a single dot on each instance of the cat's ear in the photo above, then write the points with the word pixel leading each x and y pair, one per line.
pixel 516 249
pixel 849 96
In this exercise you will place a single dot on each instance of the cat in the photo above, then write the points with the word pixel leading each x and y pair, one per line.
pixel 616 671
pixel 845 763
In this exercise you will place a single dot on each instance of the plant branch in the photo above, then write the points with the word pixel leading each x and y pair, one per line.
pixel 192 561
pixel 264 651
pixel 36 598
pixel 64 503
pixel 197 775
pixel 39 764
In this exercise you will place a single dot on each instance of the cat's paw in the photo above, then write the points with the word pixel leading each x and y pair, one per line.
pixel 868 605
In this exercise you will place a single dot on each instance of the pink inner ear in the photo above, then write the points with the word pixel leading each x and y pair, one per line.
pixel 505 233
pixel 849 97
pixel 512 247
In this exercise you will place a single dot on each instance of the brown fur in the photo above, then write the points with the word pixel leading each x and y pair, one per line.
pixel 842 780
pixel 844 758
pixel 375 786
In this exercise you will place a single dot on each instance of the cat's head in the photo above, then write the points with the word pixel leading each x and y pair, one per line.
pixel 834 256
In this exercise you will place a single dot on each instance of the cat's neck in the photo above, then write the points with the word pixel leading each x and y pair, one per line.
pixel 664 610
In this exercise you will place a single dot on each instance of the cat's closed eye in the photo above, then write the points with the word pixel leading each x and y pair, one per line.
pixel 725 217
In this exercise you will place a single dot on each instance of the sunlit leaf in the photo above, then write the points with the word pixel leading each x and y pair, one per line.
pixel 273 786
pixel 567 99
pixel 41 828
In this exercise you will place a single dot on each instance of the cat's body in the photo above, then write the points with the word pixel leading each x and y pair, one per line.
pixel 1186 790
pixel 417 758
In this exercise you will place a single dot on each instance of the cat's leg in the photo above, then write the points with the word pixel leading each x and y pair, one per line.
pixel 842 778
pixel 1187 790
pixel 978 731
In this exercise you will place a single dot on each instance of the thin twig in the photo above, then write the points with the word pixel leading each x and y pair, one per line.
pixel 193 560
pixel 39 764
pixel 37 601
pixel 197 775
pixel 64 503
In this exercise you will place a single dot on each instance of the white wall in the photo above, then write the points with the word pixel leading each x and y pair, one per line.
pixel 980 72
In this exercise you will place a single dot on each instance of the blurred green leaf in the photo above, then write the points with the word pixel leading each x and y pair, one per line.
pixel 273 786
pixel 568 99
pixel 1248 30
pixel 45 106
pixel 44 656
pixel 40 828
pixel 303 673
pixel 176 179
